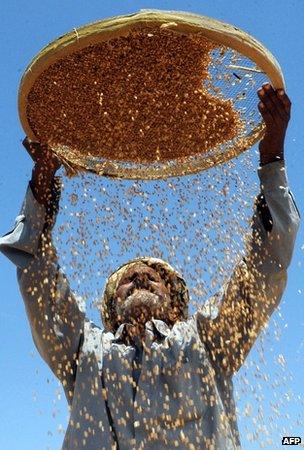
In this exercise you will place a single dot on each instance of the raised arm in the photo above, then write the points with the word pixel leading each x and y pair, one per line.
pixel 231 321
pixel 54 312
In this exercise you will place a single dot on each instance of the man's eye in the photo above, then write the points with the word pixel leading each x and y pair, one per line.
pixel 135 276
pixel 151 278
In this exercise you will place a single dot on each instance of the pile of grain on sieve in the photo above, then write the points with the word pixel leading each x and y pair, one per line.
pixel 137 98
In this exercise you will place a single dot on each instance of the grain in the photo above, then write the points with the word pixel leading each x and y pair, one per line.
pixel 139 98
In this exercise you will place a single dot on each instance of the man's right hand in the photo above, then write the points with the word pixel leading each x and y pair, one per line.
pixel 46 165
pixel 42 155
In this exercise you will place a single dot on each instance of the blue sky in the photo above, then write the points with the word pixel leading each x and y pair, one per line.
pixel 33 411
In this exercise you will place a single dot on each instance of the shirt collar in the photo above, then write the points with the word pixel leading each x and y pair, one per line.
pixel 154 325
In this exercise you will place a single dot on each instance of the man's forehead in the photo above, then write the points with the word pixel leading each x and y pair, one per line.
pixel 147 262
pixel 138 266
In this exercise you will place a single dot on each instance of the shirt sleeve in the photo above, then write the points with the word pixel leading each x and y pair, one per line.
pixel 56 315
pixel 230 321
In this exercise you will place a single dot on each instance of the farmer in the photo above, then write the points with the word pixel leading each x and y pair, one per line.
pixel 154 378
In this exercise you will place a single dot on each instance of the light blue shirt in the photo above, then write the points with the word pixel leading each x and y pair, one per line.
pixel 174 389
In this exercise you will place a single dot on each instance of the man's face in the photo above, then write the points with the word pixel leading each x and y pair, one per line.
pixel 142 295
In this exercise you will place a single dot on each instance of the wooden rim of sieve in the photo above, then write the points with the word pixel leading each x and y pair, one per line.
pixel 181 22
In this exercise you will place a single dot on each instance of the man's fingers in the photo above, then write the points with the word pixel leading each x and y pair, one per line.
pixel 283 97
pixel 265 97
pixel 42 154
pixel 266 114
pixel 30 148
pixel 36 150
pixel 277 102
pixel 26 143
pixel 270 100
pixel 273 102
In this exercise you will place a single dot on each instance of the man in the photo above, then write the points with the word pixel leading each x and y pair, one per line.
pixel 155 378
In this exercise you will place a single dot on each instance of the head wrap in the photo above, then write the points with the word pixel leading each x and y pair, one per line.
pixel 178 289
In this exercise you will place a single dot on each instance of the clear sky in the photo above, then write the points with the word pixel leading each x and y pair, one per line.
pixel 33 411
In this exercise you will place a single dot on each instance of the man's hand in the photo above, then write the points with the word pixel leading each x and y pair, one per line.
pixel 46 165
pixel 274 107
pixel 42 155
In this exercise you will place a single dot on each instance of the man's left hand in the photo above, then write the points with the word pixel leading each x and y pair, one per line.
pixel 274 107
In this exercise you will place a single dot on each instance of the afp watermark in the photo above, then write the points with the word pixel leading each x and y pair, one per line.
pixel 291 440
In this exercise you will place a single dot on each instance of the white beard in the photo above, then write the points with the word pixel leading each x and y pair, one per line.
pixel 142 305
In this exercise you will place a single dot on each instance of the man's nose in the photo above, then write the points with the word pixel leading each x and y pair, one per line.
pixel 141 280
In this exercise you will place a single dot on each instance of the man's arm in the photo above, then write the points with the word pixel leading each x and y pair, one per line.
pixel 244 306
pixel 54 312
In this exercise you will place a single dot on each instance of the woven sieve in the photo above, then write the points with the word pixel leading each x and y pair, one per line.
pixel 148 95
